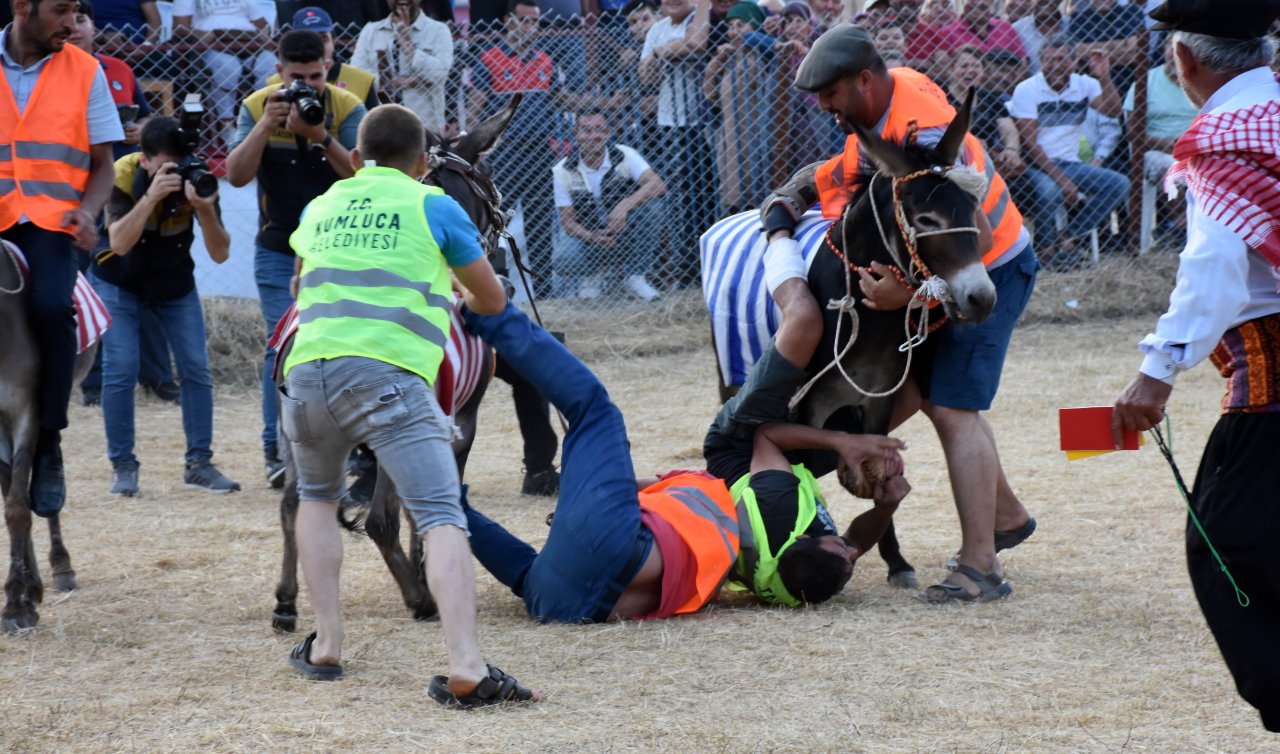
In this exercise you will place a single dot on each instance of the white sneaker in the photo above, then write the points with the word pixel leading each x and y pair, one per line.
pixel 640 288
pixel 591 287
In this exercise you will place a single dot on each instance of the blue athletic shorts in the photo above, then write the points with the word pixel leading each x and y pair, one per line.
pixel 959 365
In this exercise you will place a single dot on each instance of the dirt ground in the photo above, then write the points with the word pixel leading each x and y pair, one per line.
pixel 167 644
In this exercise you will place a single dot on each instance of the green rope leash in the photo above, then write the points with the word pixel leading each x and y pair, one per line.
pixel 1167 450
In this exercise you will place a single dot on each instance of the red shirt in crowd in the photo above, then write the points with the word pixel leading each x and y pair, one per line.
pixel 927 39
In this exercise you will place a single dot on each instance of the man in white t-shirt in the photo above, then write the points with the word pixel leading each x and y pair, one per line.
pixel 608 200
pixel 238 33
pixel 674 56
pixel 1050 110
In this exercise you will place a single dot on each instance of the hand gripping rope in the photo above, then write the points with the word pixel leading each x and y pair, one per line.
pixel 1166 449
pixel 927 287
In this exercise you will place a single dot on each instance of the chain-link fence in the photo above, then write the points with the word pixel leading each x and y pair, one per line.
pixel 638 131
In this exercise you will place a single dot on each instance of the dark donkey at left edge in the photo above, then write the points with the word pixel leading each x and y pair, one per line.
pixel 453 169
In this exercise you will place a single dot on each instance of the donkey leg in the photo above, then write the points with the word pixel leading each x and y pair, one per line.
pixel 383 527
pixel 64 576
pixel 901 573
pixel 285 616
pixel 22 588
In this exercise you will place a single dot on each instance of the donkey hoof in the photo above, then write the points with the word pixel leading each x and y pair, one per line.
pixel 904 579
pixel 426 614
pixel 21 622
pixel 284 622
pixel 65 582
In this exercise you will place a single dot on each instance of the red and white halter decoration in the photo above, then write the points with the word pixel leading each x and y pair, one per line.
pixel 460 372
pixel 915 275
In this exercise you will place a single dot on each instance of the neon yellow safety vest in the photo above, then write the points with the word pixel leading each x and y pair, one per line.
pixel 757 567
pixel 374 282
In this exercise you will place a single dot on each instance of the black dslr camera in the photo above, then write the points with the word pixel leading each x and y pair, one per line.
pixel 307 100
pixel 193 169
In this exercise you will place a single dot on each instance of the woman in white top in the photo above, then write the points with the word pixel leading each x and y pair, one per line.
pixel 236 32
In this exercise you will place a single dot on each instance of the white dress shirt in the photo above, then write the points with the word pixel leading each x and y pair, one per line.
pixel 1221 283
pixel 432 58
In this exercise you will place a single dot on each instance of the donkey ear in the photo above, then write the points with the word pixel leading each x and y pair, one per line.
pixel 949 146
pixel 484 136
pixel 888 157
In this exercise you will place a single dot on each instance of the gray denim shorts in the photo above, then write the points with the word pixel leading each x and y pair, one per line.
pixel 328 406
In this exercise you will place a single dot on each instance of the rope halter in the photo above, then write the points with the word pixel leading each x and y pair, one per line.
pixel 925 285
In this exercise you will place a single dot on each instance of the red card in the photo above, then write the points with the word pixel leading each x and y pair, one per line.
pixel 1089 428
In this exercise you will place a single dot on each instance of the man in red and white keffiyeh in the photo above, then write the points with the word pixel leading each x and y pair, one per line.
pixel 1231 163
pixel 1226 307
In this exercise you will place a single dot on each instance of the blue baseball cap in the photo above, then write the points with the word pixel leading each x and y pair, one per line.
pixel 312 19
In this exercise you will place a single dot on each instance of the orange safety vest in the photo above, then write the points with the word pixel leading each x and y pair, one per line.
pixel 703 515
pixel 45 151
pixel 916 97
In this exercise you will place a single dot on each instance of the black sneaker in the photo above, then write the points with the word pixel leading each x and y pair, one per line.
pixel 274 469
pixel 124 481
pixel 545 483
pixel 166 391
pixel 205 476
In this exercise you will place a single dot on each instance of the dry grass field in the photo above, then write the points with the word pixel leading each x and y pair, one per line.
pixel 167 645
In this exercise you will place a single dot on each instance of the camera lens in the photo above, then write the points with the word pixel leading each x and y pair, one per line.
pixel 311 111
pixel 205 183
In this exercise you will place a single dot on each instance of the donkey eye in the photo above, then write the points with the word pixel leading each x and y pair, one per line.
pixel 928 221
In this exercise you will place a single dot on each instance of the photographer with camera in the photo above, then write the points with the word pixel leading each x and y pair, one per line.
pixel 158 193
pixel 294 137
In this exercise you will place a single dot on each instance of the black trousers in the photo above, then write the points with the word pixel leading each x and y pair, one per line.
pixel 54 263
pixel 1237 498
pixel 534 414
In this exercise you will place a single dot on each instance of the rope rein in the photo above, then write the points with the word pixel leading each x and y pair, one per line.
pixel 925 288
pixel 22 280
pixel 1166 449
pixel 440 158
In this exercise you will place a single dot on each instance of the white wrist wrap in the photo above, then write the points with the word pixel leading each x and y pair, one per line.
pixel 782 261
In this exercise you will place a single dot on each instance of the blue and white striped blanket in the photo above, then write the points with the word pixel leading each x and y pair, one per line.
pixel 743 315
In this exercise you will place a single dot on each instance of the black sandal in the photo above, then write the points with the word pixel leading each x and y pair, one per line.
pixel 497 688
pixel 990 587
pixel 1006 540
pixel 300 659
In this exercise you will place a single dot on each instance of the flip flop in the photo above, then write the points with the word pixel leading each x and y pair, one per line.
pixel 990 587
pixel 498 687
pixel 1007 540
pixel 300 659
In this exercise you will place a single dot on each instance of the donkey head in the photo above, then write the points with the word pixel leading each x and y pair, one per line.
pixel 942 206
pixel 454 168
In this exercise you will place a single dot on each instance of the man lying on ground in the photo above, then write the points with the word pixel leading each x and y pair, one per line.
pixel 614 551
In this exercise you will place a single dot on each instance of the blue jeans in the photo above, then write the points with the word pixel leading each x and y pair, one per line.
pixel 1103 190
pixel 154 366
pixel 1039 198
pixel 272 271
pixel 636 247
pixel 596 544
pixel 183 323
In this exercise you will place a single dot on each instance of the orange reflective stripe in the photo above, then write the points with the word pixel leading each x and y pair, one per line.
pixel 45 156
pixel 702 513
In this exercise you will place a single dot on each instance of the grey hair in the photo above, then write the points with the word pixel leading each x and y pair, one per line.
pixel 1222 55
